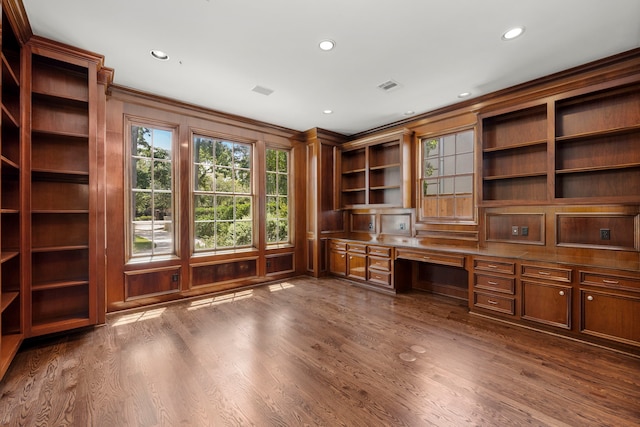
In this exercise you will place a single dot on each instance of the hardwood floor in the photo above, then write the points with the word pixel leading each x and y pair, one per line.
pixel 316 352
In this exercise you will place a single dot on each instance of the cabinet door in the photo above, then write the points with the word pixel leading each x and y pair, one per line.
pixel 338 263
pixel 357 266
pixel 609 315
pixel 545 303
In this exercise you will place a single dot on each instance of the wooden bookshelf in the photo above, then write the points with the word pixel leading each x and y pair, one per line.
pixel 375 172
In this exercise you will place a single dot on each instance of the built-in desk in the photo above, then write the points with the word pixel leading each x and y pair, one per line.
pixel 587 298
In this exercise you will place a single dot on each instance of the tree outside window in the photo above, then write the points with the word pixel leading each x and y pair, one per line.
pixel 151 191
pixel 277 189
pixel 223 196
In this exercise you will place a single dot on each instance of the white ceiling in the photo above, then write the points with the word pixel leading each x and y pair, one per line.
pixel 220 49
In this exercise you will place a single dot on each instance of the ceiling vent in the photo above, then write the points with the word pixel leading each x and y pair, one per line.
pixel 262 90
pixel 388 86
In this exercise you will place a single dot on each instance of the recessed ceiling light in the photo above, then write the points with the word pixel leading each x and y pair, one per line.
pixel 464 94
pixel 327 111
pixel 513 33
pixel 327 45
pixel 158 54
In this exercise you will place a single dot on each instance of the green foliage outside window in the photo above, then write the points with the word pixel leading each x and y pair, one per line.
pixel 222 194
pixel 277 187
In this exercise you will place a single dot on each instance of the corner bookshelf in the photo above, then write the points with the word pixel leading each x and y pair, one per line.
pixel 62 292
pixel 11 295
pixel 376 171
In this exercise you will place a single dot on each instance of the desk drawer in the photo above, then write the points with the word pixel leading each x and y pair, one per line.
pixel 548 273
pixel 383 264
pixel 380 278
pixel 609 281
pixel 504 267
pixel 357 247
pixel 496 283
pixel 380 251
pixel 432 257
pixel 495 303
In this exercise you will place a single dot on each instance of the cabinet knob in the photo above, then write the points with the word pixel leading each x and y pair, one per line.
pixel 561 293
pixel 589 298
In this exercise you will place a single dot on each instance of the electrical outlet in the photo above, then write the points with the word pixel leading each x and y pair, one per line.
pixel 515 230
pixel 370 226
pixel 524 230
pixel 175 277
pixel 605 234
pixel 403 226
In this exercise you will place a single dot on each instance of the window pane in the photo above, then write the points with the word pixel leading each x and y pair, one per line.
pixel 430 168
pixel 141 174
pixel 141 203
pixel 283 207
pixel 448 165
pixel 430 148
pixel 162 144
pixel 142 239
pixel 224 234
pixel 430 187
pixel 464 184
pixel 272 160
pixel 243 233
pixel 271 183
pixel 204 178
pixel 224 208
pixel 140 141
pixel 272 231
pixel 204 235
pixel 464 142
pixel 161 175
pixel 224 180
pixel 448 145
pixel 204 209
pixel 272 207
pixel 203 150
pixel 243 182
pixel 283 161
pixel 283 230
pixel 242 156
pixel 224 150
pixel 243 208
pixel 446 185
pixel 282 185
pixel 464 163
pixel 162 206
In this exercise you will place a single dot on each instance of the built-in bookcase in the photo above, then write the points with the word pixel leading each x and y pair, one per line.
pixel 375 172
pixel 579 147
pixel 11 295
pixel 62 293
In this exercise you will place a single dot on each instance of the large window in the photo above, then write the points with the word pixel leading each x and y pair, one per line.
pixel 151 183
pixel 277 170
pixel 446 180
pixel 223 197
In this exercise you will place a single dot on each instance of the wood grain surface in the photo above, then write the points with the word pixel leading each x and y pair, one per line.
pixel 316 352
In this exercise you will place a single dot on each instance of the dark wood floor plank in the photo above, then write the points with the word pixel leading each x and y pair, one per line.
pixel 316 352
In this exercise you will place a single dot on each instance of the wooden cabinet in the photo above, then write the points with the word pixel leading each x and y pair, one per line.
pixel 546 295
pixel 11 256
pixel 357 261
pixel 610 306
pixel 338 258
pixel 60 189
pixel 376 171
pixel 494 285
pixel 362 262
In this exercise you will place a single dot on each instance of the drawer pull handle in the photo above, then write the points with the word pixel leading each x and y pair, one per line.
pixel 561 293
pixel 491 282
pixel 490 301
pixel 425 257
pixel 492 266
pixel 544 273
pixel 610 282
pixel 589 298
pixel 341 256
